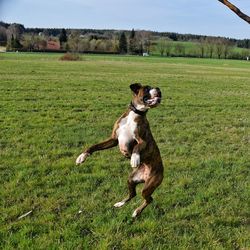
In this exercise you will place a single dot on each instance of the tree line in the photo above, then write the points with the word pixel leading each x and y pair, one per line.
pixel 209 47
pixel 17 37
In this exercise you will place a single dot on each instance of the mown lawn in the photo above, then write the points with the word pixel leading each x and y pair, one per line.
pixel 50 110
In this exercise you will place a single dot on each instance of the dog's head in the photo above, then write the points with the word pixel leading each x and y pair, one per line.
pixel 145 97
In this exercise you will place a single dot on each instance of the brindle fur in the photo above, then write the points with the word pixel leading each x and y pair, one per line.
pixel 150 170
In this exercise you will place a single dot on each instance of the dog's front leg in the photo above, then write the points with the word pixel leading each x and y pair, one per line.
pixel 109 143
pixel 135 157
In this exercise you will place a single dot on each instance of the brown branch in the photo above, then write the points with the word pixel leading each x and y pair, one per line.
pixel 236 10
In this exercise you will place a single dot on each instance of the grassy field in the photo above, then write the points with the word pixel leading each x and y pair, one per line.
pixel 50 110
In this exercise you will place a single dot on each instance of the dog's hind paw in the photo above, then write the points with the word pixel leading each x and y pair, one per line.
pixel 81 158
pixel 119 204
pixel 135 214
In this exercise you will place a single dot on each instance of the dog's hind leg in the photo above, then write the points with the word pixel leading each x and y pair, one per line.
pixel 149 187
pixel 109 143
pixel 132 192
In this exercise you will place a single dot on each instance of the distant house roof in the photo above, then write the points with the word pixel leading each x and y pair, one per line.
pixel 53 45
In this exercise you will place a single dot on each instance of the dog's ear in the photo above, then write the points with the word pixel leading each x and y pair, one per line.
pixel 135 87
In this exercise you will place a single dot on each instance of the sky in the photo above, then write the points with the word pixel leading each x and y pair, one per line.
pixel 201 17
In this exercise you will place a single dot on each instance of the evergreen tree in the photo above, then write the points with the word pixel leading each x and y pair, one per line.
pixel 17 43
pixel 63 36
pixel 132 34
pixel 14 43
pixel 123 45
pixel 132 43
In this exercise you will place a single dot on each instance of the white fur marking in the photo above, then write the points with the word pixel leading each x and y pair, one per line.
pixel 119 204
pixel 134 214
pixel 153 93
pixel 81 158
pixel 126 130
pixel 141 107
pixel 135 160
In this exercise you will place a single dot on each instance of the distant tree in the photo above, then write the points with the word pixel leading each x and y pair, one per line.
pixel 14 44
pixel 115 45
pixel 210 45
pixel 74 41
pixel 99 45
pixel 227 47
pixel 219 47
pixel 144 40
pixel 39 42
pixel 5 25
pixel 202 46
pixel 147 45
pixel 245 53
pixel 46 33
pixel 84 45
pixel 133 48
pixel 161 45
pixel 173 36
pixel 123 45
pixel 141 49
pixel 236 10
pixel 28 42
pixel 168 47
pixel 93 45
pixel 12 41
pixel 67 48
pixel 108 45
pixel 132 34
pixel 179 49
pixel 3 35
pixel 15 30
pixel 42 44
pixel 245 43
pixel 63 36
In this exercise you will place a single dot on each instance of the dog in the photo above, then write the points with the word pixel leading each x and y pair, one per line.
pixel 133 135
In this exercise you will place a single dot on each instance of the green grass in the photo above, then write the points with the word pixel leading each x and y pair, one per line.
pixel 50 110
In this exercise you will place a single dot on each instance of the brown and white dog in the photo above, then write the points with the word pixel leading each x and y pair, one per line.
pixel 132 132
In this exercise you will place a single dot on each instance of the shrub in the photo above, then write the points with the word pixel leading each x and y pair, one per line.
pixel 70 57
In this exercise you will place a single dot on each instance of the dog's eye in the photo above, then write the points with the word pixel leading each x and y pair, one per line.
pixel 145 98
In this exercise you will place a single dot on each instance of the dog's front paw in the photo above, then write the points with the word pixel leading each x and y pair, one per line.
pixel 81 158
pixel 135 160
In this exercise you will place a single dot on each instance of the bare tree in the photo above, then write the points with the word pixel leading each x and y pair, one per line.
pixel 168 47
pixel 236 10
pixel 210 46
pixel 15 30
pixel 161 46
pixel 179 49
pixel 74 41
pixel 84 45
pixel 93 44
pixel 147 45
pixel 28 41
pixel 202 46
pixel 219 47
pixel 227 47
pixel 144 38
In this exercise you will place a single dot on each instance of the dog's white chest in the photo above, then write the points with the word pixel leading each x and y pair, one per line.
pixel 126 132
